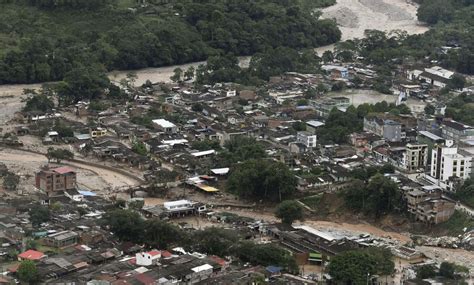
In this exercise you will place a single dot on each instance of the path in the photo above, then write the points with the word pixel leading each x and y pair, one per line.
pixel 113 178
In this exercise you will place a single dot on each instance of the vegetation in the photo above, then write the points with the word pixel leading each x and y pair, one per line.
pixel 39 103
pixel 44 40
pixel 426 271
pixel 59 154
pixel 266 254
pixel 356 267
pixel 289 211
pixel 11 181
pixel 261 179
pixel 38 215
pixel 456 224
pixel 465 193
pixel 378 197
pixel 27 272
pixel 139 148
pixel 215 241
pixel 340 124
pixel 461 108
pixel 240 149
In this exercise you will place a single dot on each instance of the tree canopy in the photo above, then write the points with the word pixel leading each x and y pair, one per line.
pixel 289 211
pixel 262 179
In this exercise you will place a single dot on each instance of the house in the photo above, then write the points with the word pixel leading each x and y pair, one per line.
pixel 436 76
pixel 435 211
pixel 416 157
pixel 56 180
pixel 98 132
pixel 324 106
pixel 390 130
pixel 74 195
pixel 62 239
pixel 148 258
pixel 307 139
pixel 165 126
pixel 313 125
pixel 31 255
pixel 456 131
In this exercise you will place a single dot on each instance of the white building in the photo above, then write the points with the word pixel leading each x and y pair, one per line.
pixel 165 126
pixel 448 165
pixel 306 138
pixel 148 258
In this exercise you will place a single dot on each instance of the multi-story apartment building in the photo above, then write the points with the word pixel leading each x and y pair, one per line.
pixel 416 157
pixel 448 165
pixel 388 129
pixel 456 131
pixel 56 180
pixel 306 138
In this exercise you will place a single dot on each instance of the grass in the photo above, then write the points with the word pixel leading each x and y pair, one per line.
pixel 312 201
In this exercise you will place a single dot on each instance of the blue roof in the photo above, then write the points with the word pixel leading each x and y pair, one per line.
pixel 273 269
pixel 87 193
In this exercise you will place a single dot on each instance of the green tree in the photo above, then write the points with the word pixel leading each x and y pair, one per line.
pixel 289 211
pixel 265 254
pixel 447 270
pixel 41 103
pixel 457 82
pixel 215 241
pixel 189 73
pixel 160 234
pixel 11 181
pixel 262 179
pixel 126 225
pixel 139 148
pixel 197 107
pixel 177 74
pixel 355 267
pixel 59 154
pixel 430 109
pixel 27 272
pixel 426 271
pixel 38 215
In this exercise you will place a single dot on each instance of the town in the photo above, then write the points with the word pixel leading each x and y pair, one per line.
pixel 293 168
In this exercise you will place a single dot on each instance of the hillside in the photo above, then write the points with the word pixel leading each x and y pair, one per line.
pixel 42 40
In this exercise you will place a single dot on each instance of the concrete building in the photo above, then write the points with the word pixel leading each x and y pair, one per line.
pixel 165 126
pixel 456 131
pixel 448 166
pixel 390 130
pixel 62 239
pixel 325 106
pixel 436 76
pixel 56 180
pixel 306 138
pixel 416 157
pixel 435 211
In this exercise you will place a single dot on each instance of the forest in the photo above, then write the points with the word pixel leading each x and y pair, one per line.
pixel 43 40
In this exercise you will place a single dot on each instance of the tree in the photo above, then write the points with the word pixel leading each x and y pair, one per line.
pixel 139 148
pixel 177 74
pixel 38 215
pixel 27 272
pixel 457 82
pixel 125 224
pixel 265 254
pixel 299 126
pixel 197 107
pixel 426 271
pixel 41 103
pixel 31 244
pixel 11 181
pixel 262 179
pixel 189 73
pixel 215 241
pixel 59 154
pixel 289 211
pixel 430 109
pixel 160 234
pixel 328 56
pixel 354 267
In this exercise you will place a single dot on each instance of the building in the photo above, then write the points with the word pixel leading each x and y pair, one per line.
pixel 31 255
pixel 416 157
pixel 306 138
pixel 325 106
pixel 388 129
pixel 56 180
pixel 98 132
pixel 62 239
pixel 448 165
pixel 148 258
pixel 165 126
pixel 435 211
pixel 456 131
pixel 313 125
pixel 436 76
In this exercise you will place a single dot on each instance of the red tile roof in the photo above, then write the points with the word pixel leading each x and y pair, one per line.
pixel 63 170
pixel 145 279
pixel 165 253
pixel 31 255
pixel 154 252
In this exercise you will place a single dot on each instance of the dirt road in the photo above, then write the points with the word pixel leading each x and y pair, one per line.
pixel 95 178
